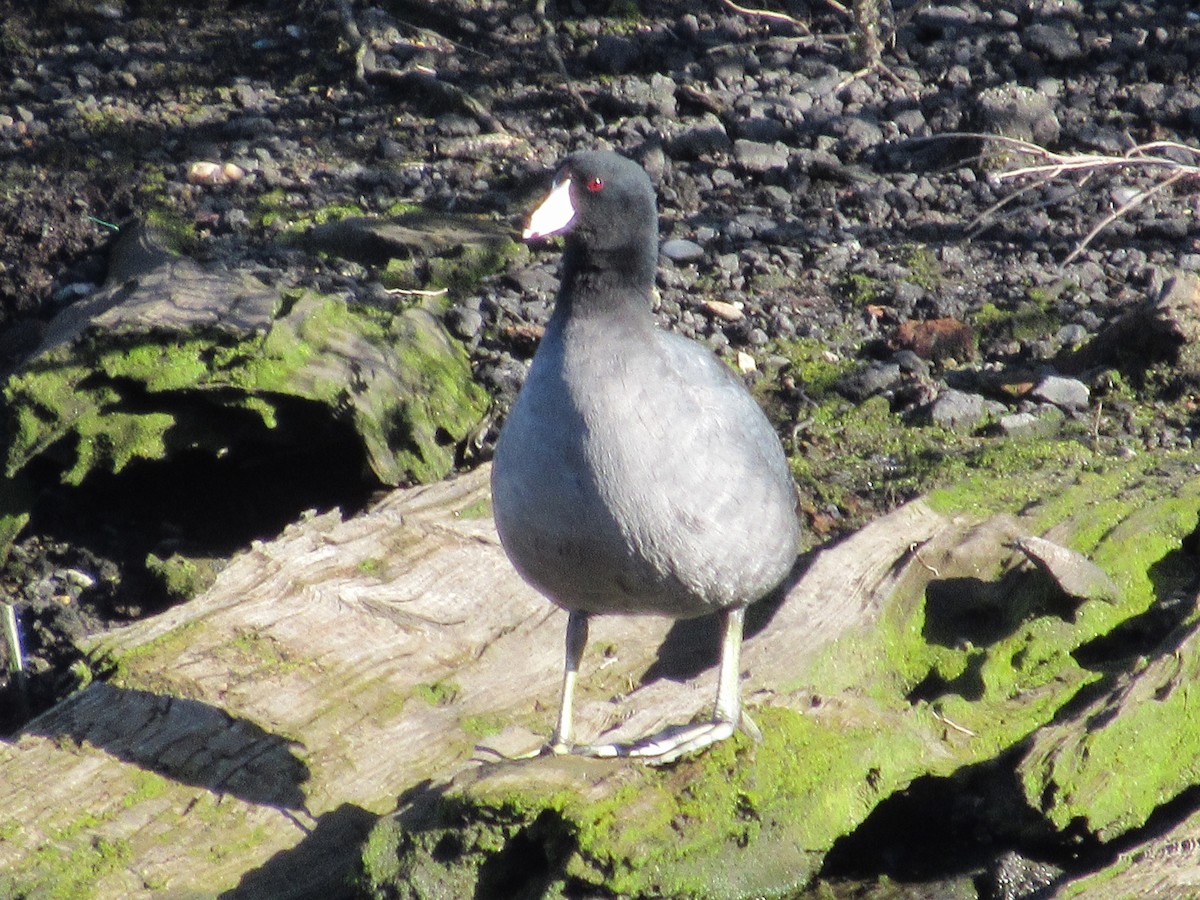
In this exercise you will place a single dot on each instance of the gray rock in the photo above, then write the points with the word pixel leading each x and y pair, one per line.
pixel 762 129
pixel 858 133
pixel 681 250
pixel 662 96
pixel 1058 42
pixel 944 16
pixel 958 409
pixel 709 136
pixel 614 55
pixel 910 122
pixel 911 363
pixel 758 225
pixel 1014 877
pixel 1072 335
pixel 463 322
pixel 1031 424
pixel 1019 112
pixel 776 197
pixel 1018 423
pixel 1066 393
pixel 535 280
pixel 874 378
pixel 755 156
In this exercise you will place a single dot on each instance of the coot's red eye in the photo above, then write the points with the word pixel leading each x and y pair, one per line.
pixel 595 183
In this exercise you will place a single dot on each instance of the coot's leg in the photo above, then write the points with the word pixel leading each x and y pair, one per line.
pixel 563 740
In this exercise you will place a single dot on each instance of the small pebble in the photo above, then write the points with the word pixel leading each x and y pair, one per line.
pixel 1066 393
pixel 681 250
pixel 755 156
pixel 729 312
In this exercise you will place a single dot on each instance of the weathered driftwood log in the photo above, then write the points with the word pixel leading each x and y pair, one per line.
pixel 250 738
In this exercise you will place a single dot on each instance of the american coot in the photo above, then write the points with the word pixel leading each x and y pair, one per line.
pixel 635 474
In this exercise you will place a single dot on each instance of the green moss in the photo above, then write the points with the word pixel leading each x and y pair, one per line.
pixel 178 575
pixel 437 693
pixel 116 400
pixel 724 824
pixel 176 232
pixel 481 726
pixel 479 509
pixel 370 566
pixel 1033 318
pixel 16 501
pixel 924 268
pixel 146 786
pixel 462 271
pixel 811 364
pixel 272 209
pixel 71 863
pixel 148 666
pixel 260 654
pixel 279 211
pixel 974 653
pixel 862 290
pixel 862 457
pixel 1069 771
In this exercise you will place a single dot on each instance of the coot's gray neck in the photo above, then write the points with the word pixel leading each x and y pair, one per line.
pixel 605 281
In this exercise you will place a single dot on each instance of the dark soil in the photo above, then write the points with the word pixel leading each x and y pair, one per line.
pixel 839 207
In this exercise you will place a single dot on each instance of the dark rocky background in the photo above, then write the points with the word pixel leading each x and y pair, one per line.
pixel 831 218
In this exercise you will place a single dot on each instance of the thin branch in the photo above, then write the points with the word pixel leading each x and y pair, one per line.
pixel 413 292
pixel 979 223
pixel 416 78
pixel 1081 168
pixel 550 44
pixel 1136 200
pixel 774 16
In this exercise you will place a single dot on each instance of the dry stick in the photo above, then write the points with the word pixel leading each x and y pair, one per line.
pixel 413 292
pixel 1136 200
pixel 423 79
pixel 1086 165
pixel 550 42
pixel 355 39
pixel 774 16
pixel 979 224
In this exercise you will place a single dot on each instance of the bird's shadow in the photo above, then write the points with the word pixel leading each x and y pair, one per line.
pixel 184 740
pixel 694 645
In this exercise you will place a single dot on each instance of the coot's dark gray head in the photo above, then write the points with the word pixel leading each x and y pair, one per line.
pixel 604 205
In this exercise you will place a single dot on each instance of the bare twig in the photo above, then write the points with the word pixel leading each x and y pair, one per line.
pixel 1082 167
pixel 1136 200
pixel 550 43
pixel 417 78
pixel 413 292
pixel 772 15
pixel 16 657
pixel 961 729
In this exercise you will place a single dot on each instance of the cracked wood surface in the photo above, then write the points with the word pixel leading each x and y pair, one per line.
pixel 250 736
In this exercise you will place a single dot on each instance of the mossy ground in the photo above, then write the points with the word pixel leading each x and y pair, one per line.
pixel 854 460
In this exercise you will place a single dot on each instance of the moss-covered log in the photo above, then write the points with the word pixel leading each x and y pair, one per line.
pixel 958 652
pixel 396 653
pixel 171 356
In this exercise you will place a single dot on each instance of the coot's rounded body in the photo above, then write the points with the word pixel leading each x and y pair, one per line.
pixel 636 475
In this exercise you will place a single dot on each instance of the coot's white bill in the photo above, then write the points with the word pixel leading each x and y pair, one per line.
pixel 555 213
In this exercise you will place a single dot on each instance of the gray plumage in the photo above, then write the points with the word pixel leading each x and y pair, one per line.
pixel 635 473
